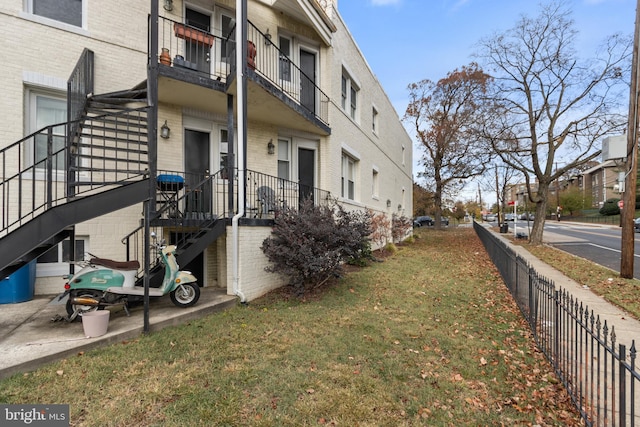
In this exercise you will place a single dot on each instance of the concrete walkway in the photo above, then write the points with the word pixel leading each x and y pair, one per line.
pixel 627 329
pixel 32 333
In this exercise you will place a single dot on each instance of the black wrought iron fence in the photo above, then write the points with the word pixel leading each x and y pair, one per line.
pixel 598 373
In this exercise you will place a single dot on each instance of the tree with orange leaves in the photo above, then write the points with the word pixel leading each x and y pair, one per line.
pixel 444 115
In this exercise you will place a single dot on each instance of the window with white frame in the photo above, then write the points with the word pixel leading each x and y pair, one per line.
pixel 343 94
pixel 375 183
pixel 227 27
pixel 349 95
pixel 56 260
pixel 285 62
pixel 66 11
pixel 44 109
pixel 348 177
pixel 374 120
pixel 224 153
pixel 284 162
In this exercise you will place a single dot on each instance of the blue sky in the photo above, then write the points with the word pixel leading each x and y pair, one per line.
pixel 405 41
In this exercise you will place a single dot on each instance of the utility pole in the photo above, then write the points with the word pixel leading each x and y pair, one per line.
pixel 629 197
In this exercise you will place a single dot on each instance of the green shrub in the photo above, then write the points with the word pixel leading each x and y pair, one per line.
pixel 610 207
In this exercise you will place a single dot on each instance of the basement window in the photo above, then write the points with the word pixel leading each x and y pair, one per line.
pixel 55 261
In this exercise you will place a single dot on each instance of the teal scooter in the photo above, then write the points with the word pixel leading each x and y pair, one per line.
pixel 102 283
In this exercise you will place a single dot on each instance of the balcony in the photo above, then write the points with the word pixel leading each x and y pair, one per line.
pixel 197 69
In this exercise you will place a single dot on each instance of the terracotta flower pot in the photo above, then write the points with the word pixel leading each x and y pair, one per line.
pixel 165 57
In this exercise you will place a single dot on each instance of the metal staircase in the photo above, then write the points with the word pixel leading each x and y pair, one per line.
pixel 70 172
pixel 184 220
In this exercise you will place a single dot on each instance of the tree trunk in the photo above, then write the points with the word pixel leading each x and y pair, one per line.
pixel 541 213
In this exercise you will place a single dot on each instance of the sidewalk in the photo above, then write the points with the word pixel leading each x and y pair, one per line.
pixel 32 333
pixel 627 329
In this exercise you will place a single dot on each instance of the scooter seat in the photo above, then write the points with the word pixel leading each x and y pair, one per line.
pixel 116 265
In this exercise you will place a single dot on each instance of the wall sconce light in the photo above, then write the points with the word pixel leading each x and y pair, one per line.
pixel 388 203
pixel 168 5
pixel 271 149
pixel 267 38
pixel 165 131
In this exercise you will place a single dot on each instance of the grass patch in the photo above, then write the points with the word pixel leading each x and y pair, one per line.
pixel 624 293
pixel 429 337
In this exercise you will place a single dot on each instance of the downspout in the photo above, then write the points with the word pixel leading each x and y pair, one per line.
pixel 241 52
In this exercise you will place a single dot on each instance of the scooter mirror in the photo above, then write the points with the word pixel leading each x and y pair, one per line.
pixel 153 235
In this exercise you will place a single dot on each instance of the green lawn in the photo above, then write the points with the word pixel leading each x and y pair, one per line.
pixel 428 337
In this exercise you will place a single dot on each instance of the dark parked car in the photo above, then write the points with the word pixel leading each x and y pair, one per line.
pixel 420 221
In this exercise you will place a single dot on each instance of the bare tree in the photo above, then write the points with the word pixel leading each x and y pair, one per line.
pixel 443 115
pixel 504 178
pixel 550 104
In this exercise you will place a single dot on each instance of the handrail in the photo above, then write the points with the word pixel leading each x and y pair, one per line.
pixel 36 175
pixel 191 48
pixel 277 67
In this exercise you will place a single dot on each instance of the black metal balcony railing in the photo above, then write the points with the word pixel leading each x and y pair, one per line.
pixel 266 194
pixel 213 55
pixel 192 203
pixel 191 48
pixel 276 66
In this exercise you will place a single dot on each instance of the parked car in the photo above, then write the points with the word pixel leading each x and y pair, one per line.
pixel 491 217
pixel 420 221
pixel 509 217
pixel 636 225
pixel 527 216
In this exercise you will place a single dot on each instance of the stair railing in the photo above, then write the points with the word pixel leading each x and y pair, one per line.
pixel 183 217
pixel 79 87
pixel 33 176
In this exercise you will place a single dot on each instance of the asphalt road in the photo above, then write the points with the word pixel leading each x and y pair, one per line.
pixel 598 244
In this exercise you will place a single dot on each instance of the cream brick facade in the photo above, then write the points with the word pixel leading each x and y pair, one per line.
pixel 117 32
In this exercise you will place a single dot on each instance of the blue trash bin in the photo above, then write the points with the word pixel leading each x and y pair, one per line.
pixel 19 286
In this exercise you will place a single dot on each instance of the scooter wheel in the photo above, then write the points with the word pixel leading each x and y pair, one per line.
pixel 185 295
pixel 71 308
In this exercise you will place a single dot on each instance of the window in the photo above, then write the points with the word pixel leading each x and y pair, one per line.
pixel 343 96
pixel 44 110
pixel 374 120
pixel 198 53
pixel 56 260
pixel 375 184
pixel 66 11
pixel 283 159
pixel 348 177
pixel 224 153
pixel 285 62
pixel 354 102
pixel 349 95
pixel 228 27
